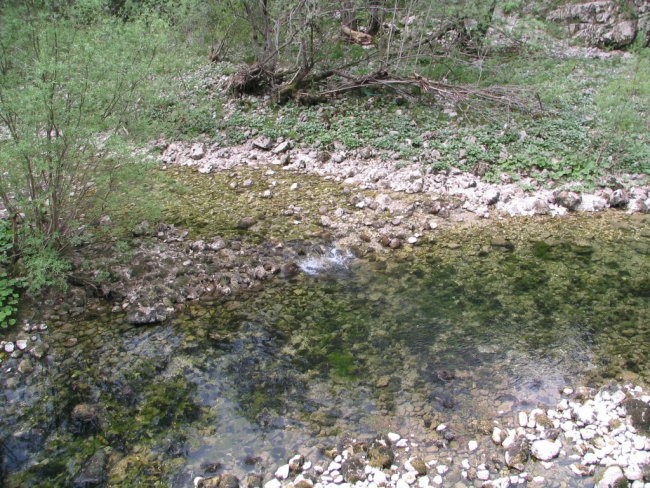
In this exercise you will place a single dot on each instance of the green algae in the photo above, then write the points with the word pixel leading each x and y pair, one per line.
pixel 218 201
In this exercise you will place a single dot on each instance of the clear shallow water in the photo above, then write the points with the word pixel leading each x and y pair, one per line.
pixel 471 328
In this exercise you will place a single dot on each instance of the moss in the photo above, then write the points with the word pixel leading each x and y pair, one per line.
pixel 342 364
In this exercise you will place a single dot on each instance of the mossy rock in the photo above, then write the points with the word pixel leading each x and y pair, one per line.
pixel 380 456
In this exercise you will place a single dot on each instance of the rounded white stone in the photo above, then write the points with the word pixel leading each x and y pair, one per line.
pixel 274 483
pixel 437 479
pixel 409 477
pixel 483 474
pixel 401 484
pixel 282 472
pixel 522 418
pixel 472 446
pixel 393 437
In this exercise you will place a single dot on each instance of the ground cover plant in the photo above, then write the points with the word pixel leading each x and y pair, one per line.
pixel 86 85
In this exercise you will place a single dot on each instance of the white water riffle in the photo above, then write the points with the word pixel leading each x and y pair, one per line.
pixel 332 259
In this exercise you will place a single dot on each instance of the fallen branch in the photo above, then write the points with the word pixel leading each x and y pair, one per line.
pixel 451 93
pixel 356 37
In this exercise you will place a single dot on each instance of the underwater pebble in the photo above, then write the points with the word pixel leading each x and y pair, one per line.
pixel 282 472
pixel 393 437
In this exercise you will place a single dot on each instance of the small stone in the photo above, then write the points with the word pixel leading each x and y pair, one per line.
pixel 402 443
pixel 611 478
pixel 228 480
pixel 282 473
pixel 412 240
pixel 263 143
pixel 21 344
pixel 294 186
pixel 401 484
pixel 296 463
pixel 379 478
pixel 393 437
pixel 569 200
pixel 522 419
pixel 198 151
pixel 472 446
pixel 267 194
pixel 39 350
pixel 409 477
pixel 581 470
pixel 437 479
pixel 545 450
pixel 491 196
pixel 441 427
pixel 498 436
pixel 25 366
pixel 418 465
pixel 483 474
pixel 274 483
pixel 633 472
pixel 9 347
pixel 246 222
pixel 93 473
pixel 282 147
pixel 442 469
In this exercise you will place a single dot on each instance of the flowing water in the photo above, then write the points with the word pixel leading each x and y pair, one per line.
pixel 462 331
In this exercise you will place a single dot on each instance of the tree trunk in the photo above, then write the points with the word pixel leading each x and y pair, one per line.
pixel 376 17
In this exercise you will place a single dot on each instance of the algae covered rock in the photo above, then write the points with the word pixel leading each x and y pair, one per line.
pixel 93 472
pixel 380 455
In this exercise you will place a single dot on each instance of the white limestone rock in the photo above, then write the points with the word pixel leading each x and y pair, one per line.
pixel 545 450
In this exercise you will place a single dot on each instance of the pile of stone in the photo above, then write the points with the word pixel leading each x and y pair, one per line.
pixel 605 434
pixel 599 437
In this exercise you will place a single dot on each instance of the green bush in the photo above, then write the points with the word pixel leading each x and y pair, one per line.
pixel 8 286
pixel 74 82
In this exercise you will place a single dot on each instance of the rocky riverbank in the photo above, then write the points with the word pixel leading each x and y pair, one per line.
pixel 590 438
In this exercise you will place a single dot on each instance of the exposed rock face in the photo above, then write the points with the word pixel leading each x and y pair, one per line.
pixel 605 23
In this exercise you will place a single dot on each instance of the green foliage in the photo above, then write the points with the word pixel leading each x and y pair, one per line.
pixel 42 265
pixel 67 94
pixel 8 286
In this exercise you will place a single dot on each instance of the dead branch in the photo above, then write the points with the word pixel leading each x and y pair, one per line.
pixel 504 96
pixel 356 37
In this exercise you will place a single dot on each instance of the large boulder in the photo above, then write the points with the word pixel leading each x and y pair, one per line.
pixel 604 23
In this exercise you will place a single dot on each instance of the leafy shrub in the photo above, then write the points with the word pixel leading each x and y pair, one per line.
pixel 8 285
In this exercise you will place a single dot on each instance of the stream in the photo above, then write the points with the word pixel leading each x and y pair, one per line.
pixel 462 330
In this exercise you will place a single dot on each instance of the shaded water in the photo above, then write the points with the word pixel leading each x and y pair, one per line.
pixel 470 328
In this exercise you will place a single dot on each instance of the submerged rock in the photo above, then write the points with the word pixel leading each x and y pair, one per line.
pixel 84 419
pixel 379 455
pixel 148 315
pixel 93 473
